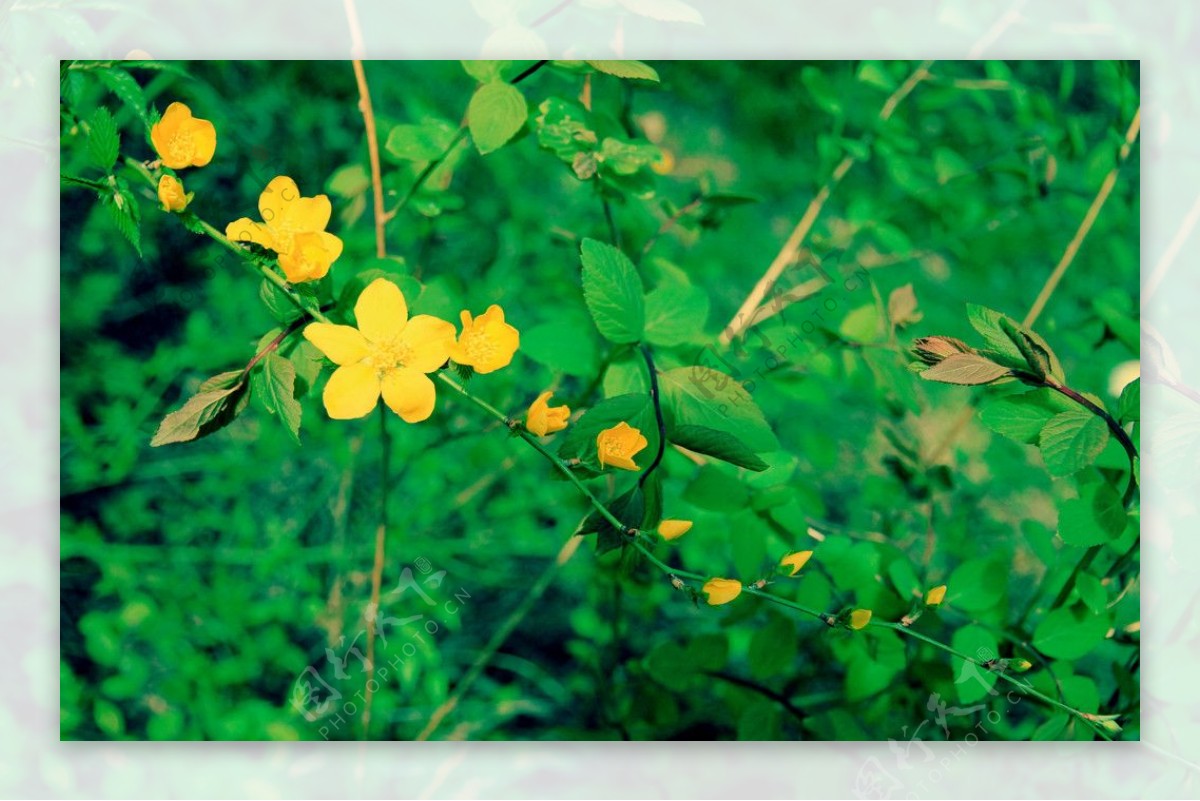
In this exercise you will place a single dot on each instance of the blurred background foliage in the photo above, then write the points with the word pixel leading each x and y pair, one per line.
pixel 201 581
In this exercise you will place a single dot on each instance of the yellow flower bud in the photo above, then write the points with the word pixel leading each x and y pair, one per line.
pixel 795 561
pixel 859 618
pixel 1020 665
pixel 542 419
pixel 936 595
pixel 722 590
pixel 674 529
pixel 171 194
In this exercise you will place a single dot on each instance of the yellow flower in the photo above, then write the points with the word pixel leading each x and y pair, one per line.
pixel 388 353
pixel 183 140
pixel 936 595
pixel 486 343
pixel 171 194
pixel 294 227
pixel 674 529
pixel 722 590
pixel 795 561
pixel 617 445
pixel 541 419
pixel 859 618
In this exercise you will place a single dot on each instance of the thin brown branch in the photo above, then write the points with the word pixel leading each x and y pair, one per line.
pixel 1085 226
pixel 368 114
pixel 745 315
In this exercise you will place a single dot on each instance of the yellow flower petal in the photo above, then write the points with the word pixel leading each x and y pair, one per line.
pixel 204 141
pixel 310 213
pixel 246 230
pixel 859 618
pixel 307 260
pixel 341 344
pixel 381 311
pixel 721 590
pixel 936 595
pixel 409 393
pixel 429 340
pixel 352 391
pixel 275 200
pixel 674 529
pixel 795 561
pixel 163 131
pixel 332 244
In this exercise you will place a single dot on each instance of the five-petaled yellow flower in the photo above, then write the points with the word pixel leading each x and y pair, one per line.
pixel 936 595
pixel 183 140
pixel 543 419
pixel 722 590
pixel 674 529
pixel 171 194
pixel 617 446
pixel 486 343
pixel 387 354
pixel 294 227
pixel 795 561
pixel 859 618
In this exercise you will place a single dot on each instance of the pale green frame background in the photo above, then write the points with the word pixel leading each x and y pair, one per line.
pixel 34 34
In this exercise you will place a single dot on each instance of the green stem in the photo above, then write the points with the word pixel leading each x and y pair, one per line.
pixel 1023 686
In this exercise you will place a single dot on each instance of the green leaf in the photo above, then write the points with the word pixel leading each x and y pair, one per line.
pixel 562 345
pixel 564 127
pixel 123 211
pixel 495 114
pixel 904 578
pixel 626 69
pixel 717 489
pixel 349 181
pixel 213 407
pixel 1096 517
pixel 675 313
pixel 1014 344
pixel 126 87
pixel 612 290
pixel 629 508
pixel 625 158
pixel 970 680
pixel 1022 417
pixel 717 444
pixel 987 322
pixel 275 387
pixel 1091 592
pixel 1070 634
pixel 1130 405
pixel 862 324
pixel 424 142
pixel 977 585
pixel 817 82
pixel 1071 441
pixel 773 648
pixel 278 303
pixel 103 140
pixel 703 396
pixel 1116 308
pixel 968 369
pixel 485 71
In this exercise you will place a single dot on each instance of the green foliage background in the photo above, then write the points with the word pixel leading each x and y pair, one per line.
pixel 200 580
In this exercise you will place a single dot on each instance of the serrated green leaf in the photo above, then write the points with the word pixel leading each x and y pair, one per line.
pixel 675 314
pixel 626 69
pixel 122 210
pixel 202 414
pixel 1096 517
pixel 275 388
pixel 485 71
pixel 1022 417
pixel 617 156
pixel 1070 634
pixel 126 87
pixel 278 303
pixel 706 397
pixel 424 142
pixel 495 114
pixel 967 369
pixel 987 322
pixel 1071 441
pixel 1130 405
pixel 612 290
pixel 564 127
pixel 717 444
pixel 104 143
